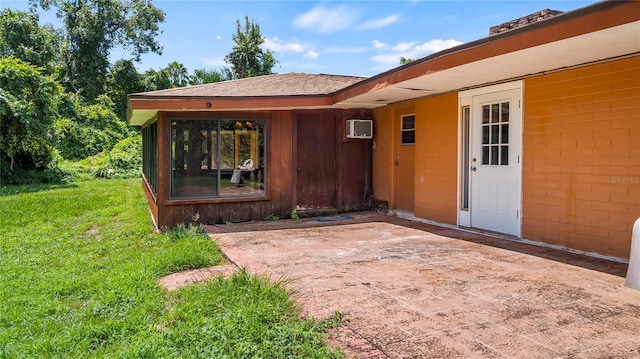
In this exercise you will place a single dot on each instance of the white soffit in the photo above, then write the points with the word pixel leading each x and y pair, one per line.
pixel 612 42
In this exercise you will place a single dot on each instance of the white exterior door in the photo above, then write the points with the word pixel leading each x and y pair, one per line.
pixel 495 183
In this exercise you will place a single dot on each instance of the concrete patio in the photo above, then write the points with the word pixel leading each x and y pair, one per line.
pixel 414 290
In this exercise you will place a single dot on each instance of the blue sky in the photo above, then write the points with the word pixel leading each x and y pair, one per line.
pixel 360 38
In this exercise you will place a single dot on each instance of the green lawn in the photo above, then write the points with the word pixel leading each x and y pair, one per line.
pixel 78 271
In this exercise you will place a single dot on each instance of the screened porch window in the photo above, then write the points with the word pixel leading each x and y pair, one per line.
pixel 217 158
pixel 150 156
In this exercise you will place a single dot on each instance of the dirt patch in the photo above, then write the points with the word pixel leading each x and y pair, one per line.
pixel 181 279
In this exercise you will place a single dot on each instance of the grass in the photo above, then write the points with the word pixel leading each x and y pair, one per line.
pixel 79 265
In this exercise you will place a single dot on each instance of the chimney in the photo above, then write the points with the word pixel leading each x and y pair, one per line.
pixel 523 21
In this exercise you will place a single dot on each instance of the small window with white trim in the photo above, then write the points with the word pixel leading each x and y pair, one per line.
pixel 408 131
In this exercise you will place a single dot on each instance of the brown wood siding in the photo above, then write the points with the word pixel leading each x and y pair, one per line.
pixel 354 166
pixel 339 165
pixel 164 144
pixel 279 194
pixel 581 157
pixel 316 159
pixel 280 147
pixel 153 206
pixel 436 158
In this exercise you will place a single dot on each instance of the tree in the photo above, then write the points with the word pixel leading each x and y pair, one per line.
pixel 92 28
pixel 22 37
pixel 122 80
pixel 153 80
pixel 28 105
pixel 178 74
pixel 247 58
pixel 204 76
pixel 406 60
pixel 86 130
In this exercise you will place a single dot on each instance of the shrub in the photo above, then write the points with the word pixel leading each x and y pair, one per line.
pixel 20 176
pixel 87 130
pixel 123 161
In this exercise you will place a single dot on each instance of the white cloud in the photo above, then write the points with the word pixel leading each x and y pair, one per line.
pixel 215 61
pixel 437 45
pixel 387 59
pixel 276 45
pixel 218 37
pixel 311 55
pixel 379 45
pixel 403 46
pixel 379 23
pixel 413 51
pixel 326 20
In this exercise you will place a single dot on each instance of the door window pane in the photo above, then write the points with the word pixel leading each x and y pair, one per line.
pixel 466 149
pixel 485 135
pixel 504 155
pixel 495 131
pixel 505 112
pixel 504 134
pixel 485 114
pixel 494 155
pixel 495 113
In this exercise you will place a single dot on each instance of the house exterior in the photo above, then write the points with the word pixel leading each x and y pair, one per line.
pixel 251 148
pixel 532 132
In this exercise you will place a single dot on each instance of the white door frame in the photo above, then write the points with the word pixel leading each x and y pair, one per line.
pixel 465 99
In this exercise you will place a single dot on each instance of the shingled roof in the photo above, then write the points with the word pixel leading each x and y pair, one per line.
pixel 291 84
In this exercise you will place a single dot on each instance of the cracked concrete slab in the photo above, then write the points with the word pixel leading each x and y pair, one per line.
pixel 413 290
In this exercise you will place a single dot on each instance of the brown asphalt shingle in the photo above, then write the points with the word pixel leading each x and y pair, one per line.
pixel 292 84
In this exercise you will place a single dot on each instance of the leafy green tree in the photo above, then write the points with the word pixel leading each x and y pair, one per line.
pixel 247 58
pixel 86 130
pixel 22 37
pixel 122 80
pixel 153 80
pixel 406 60
pixel 28 105
pixel 92 28
pixel 178 74
pixel 204 76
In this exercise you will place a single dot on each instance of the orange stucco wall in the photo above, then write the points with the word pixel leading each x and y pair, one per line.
pixel 436 158
pixel 581 157
pixel 382 174
pixel 435 185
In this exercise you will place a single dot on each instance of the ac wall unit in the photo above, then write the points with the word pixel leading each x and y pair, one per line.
pixel 359 128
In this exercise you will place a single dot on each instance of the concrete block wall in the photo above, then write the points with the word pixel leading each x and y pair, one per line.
pixel 581 157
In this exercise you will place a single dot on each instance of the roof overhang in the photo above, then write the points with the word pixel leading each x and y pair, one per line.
pixel 598 32
pixel 144 109
pixel 604 44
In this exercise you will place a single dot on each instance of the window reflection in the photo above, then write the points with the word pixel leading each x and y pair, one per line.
pixel 217 158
